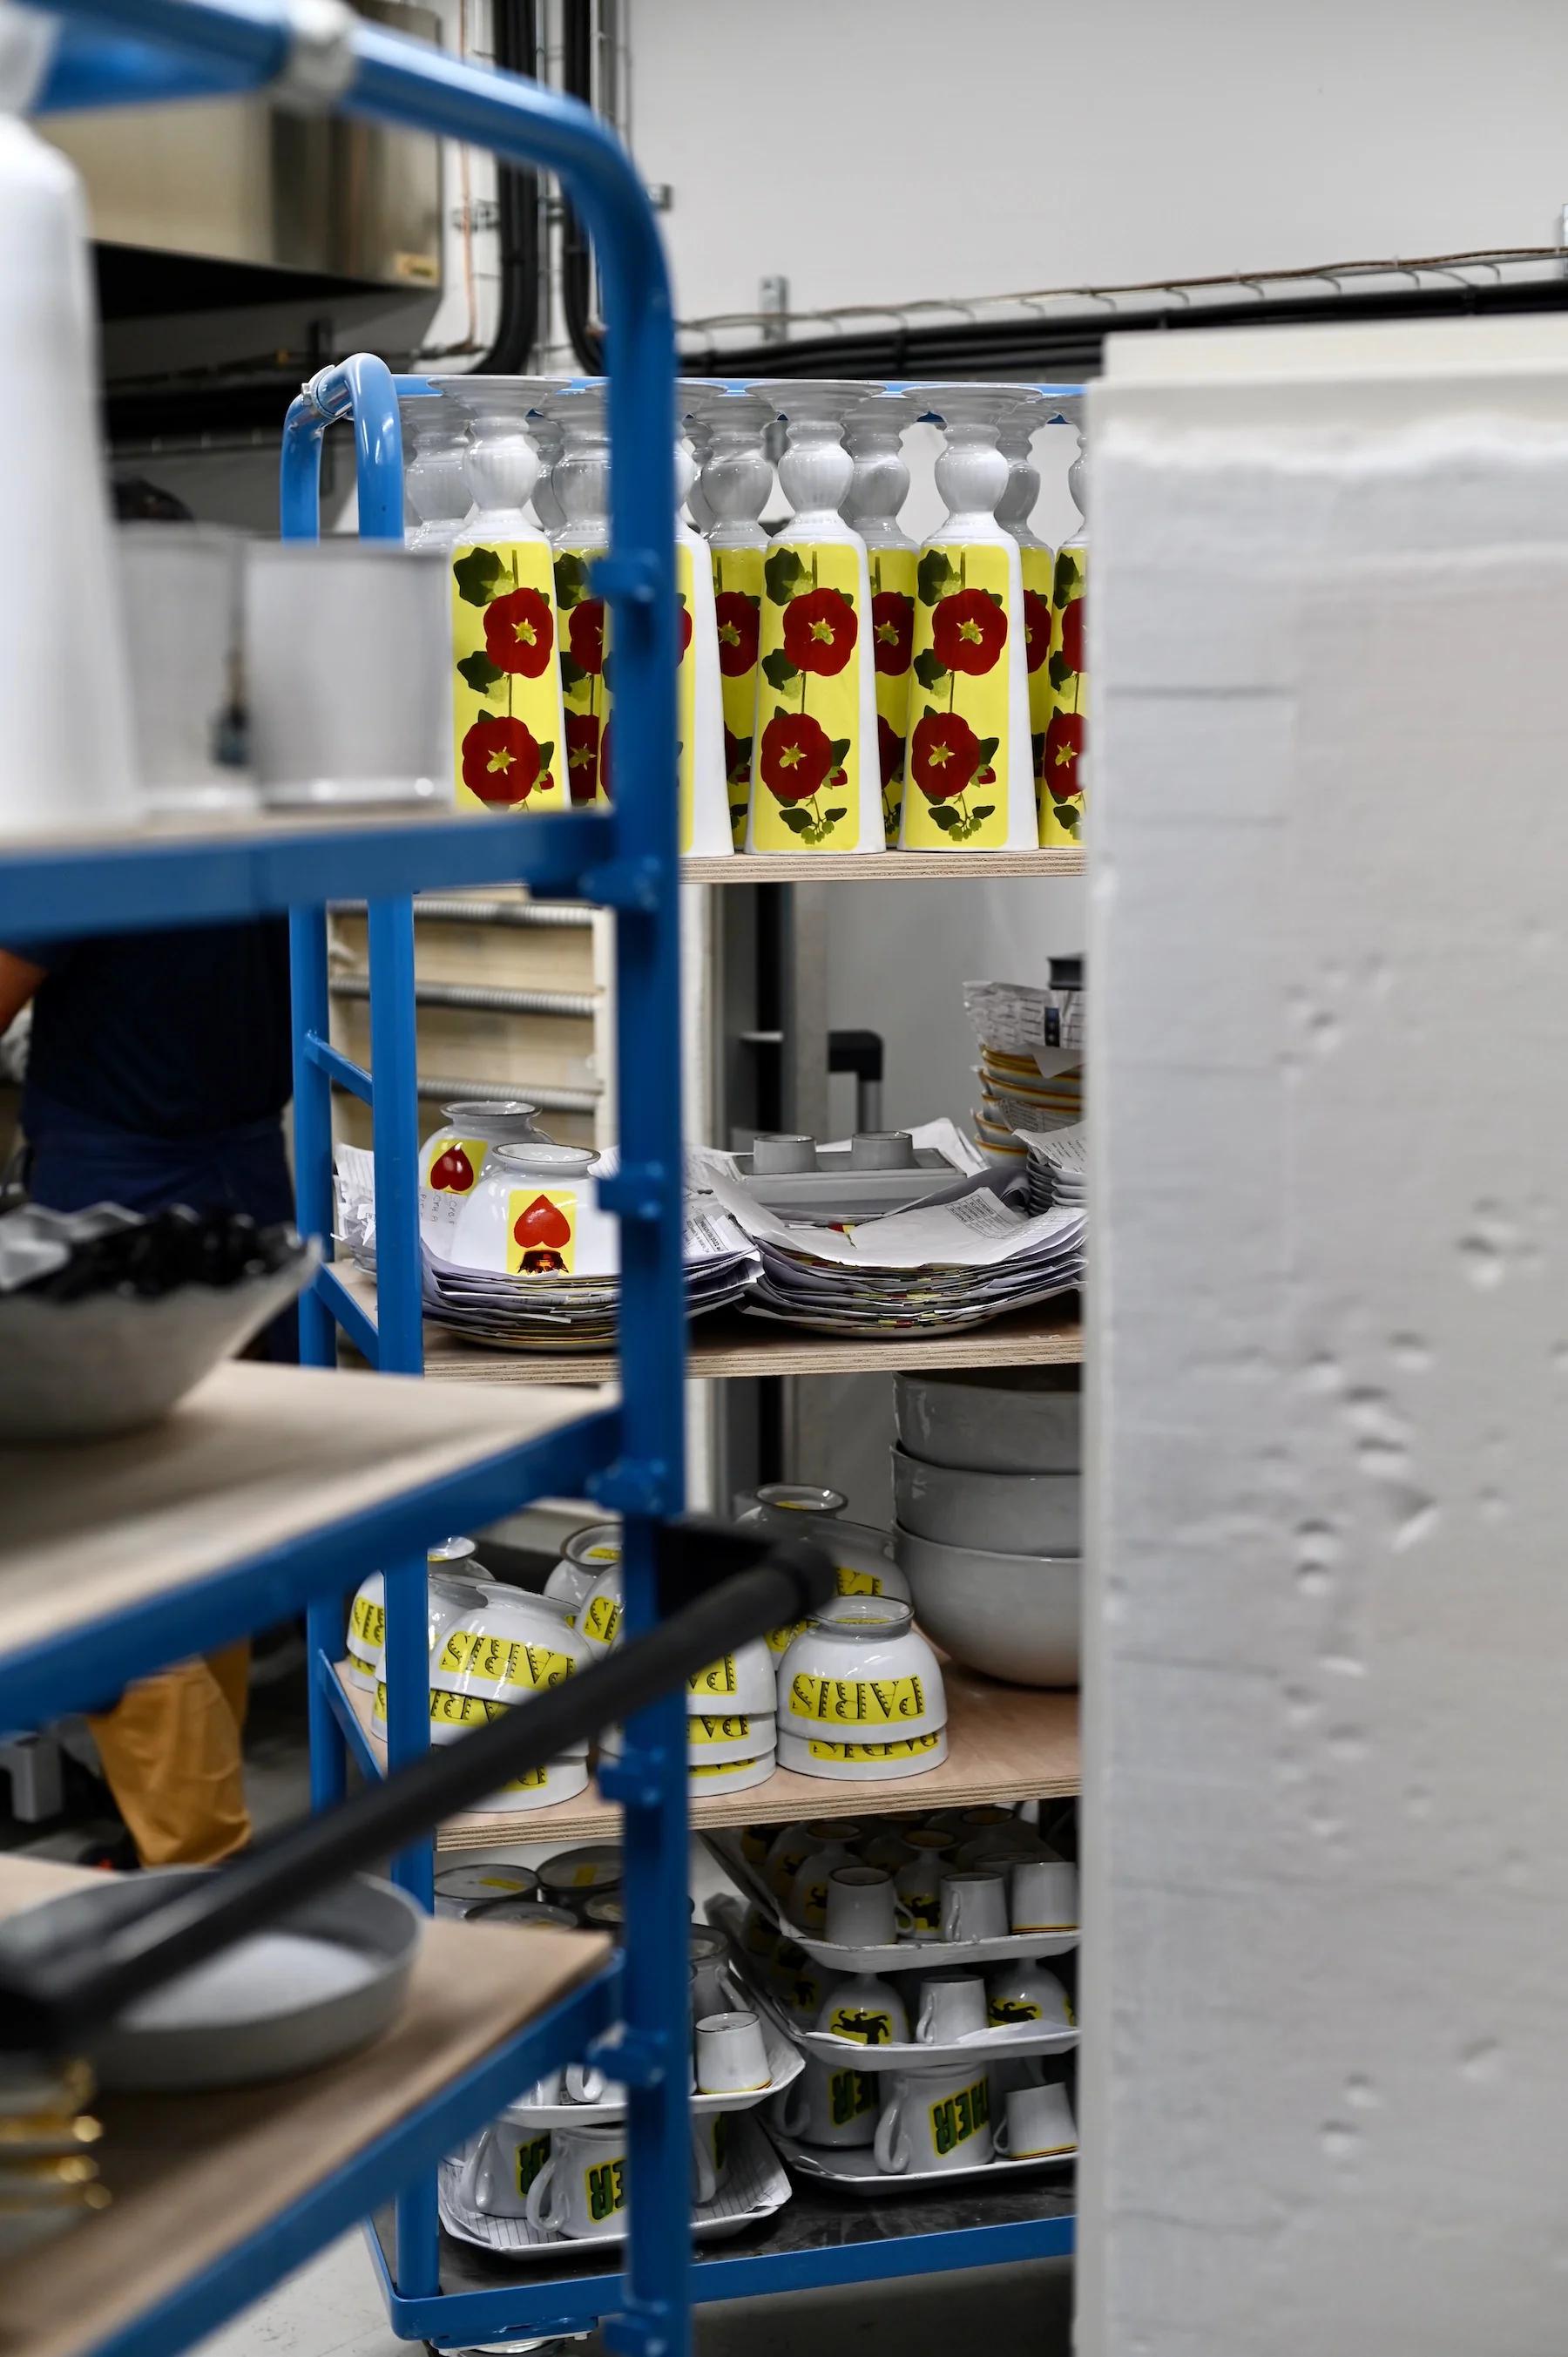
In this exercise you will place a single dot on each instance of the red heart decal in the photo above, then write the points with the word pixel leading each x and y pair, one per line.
pixel 543 1223
pixel 452 1172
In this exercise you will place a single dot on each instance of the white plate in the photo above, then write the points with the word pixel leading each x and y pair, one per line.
pixel 785 2063
pixel 987 2046
pixel 856 2170
pixel 755 2189
pixel 905 1955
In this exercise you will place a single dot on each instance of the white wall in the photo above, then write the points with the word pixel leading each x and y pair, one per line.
pixel 1326 1733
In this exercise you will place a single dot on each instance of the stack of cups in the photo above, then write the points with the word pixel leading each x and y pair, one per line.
pixel 731 1723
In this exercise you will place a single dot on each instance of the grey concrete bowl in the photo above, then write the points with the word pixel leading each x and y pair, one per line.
pixel 1013 1617
pixel 991 1419
pixel 1005 1514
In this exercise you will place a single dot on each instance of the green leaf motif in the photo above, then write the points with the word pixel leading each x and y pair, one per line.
pixel 604 673
pixel 781 712
pixel 1064 581
pixel 984 811
pixel 796 820
pixel 546 754
pixel 572 674
pixel 480 673
pixel 778 670
pixel 929 712
pixel 987 751
pixel 928 670
pixel 944 818
pixel 736 814
pixel 478 576
pixel 832 817
pixel 994 596
pixel 1060 671
pixel 1037 750
pixel 933 576
pixel 783 573
pixel 839 750
pixel 571 581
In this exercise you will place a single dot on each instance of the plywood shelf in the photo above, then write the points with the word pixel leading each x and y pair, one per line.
pixel 265 1485
pixel 194 2179
pixel 731 1346
pixel 1004 1743
pixel 878 867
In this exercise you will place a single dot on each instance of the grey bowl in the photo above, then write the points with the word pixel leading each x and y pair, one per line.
pixel 1013 1617
pixel 991 1419
pixel 1003 1514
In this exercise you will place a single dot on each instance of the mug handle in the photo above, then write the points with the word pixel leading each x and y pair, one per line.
pixel 468 2176
pixel 999 2138
pixel 583 2084
pixel 534 2209
pixel 891 2155
pixel 905 1919
pixel 922 2031
pixel 789 2108
pixel 707 2181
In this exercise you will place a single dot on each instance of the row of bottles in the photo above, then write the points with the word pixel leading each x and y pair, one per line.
pixel 839 689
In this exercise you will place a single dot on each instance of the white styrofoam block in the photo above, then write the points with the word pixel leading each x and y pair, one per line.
pixel 1325 2094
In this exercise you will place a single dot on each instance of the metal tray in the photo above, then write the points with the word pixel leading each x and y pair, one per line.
pixel 987 2045
pixel 856 2171
pixel 230 2023
pixel 785 2063
pixel 758 2186
pixel 906 1956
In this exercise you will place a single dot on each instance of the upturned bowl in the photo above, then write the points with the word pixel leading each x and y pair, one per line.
pixel 1013 1617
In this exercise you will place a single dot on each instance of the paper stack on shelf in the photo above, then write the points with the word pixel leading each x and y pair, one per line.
pixel 1057 1170
pixel 971 1255
pixel 1031 1059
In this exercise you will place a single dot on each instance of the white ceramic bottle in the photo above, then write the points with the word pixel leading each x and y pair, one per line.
pixel 580 485
pixel 699 699
pixel 815 774
pixel 970 782
pixel 736 479
pixel 1065 769
pixel 1037 561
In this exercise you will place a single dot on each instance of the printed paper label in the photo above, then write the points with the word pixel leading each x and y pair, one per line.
pixel 541 1230
pixel 806 758
pixel 955 796
pixel 506 694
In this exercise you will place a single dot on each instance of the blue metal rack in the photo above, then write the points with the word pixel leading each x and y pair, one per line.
pixel 113 52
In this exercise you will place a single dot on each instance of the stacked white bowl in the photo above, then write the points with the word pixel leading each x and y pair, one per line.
pixel 989 1531
pixel 731 1723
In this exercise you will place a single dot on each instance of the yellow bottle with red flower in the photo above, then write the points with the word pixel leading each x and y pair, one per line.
pixel 970 781
pixel 507 724
pixel 1064 767
pixel 580 481
pixel 735 481
pixel 815 773
pixel 878 488
pixel 1037 561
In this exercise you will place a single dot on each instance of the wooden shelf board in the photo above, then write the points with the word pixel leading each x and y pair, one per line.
pixel 256 1459
pixel 729 1346
pixel 1004 1743
pixel 196 2176
pixel 878 867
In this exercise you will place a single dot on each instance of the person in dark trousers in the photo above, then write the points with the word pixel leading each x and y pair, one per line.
pixel 159 1070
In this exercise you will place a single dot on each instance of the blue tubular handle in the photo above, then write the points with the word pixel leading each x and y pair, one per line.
pixel 364 390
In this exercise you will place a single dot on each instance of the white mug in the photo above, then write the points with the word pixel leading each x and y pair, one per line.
pixel 973 1907
pixel 934 2120
pixel 711 1991
pixel 582 2084
pixel 798 1983
pixel 807 1899
pixel 952 2006
pixel 918 1886
pixel 732 2059
pixel 582 2188
pixel 501 2167
pixel 1027 1991
pixel 1037 2120
pixel 829 2103
pixel 712 2133
pixel 862 1908
pixel 867 2009
pixel 1045 1894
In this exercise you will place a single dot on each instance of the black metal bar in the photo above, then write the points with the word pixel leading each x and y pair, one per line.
pixel 55 2004
pixel 586 336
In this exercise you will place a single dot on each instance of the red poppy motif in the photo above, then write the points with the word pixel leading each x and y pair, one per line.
pixel 500 760
pixel 1072 634
pixel 739 630
pixel 581 754
pixel 820 632
pixel 604 762
pixel 797 754
pixel 1036 627
pixel 944 754
pixel 683 632
pixel 968 631
pixel 585 634
pixel 890 748
pixel 893 629
pixel 520 635
pixel 737 758
pixel 1063 744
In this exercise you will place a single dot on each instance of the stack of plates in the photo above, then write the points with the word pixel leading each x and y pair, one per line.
pixel 578 1313
pixel 1057 1169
